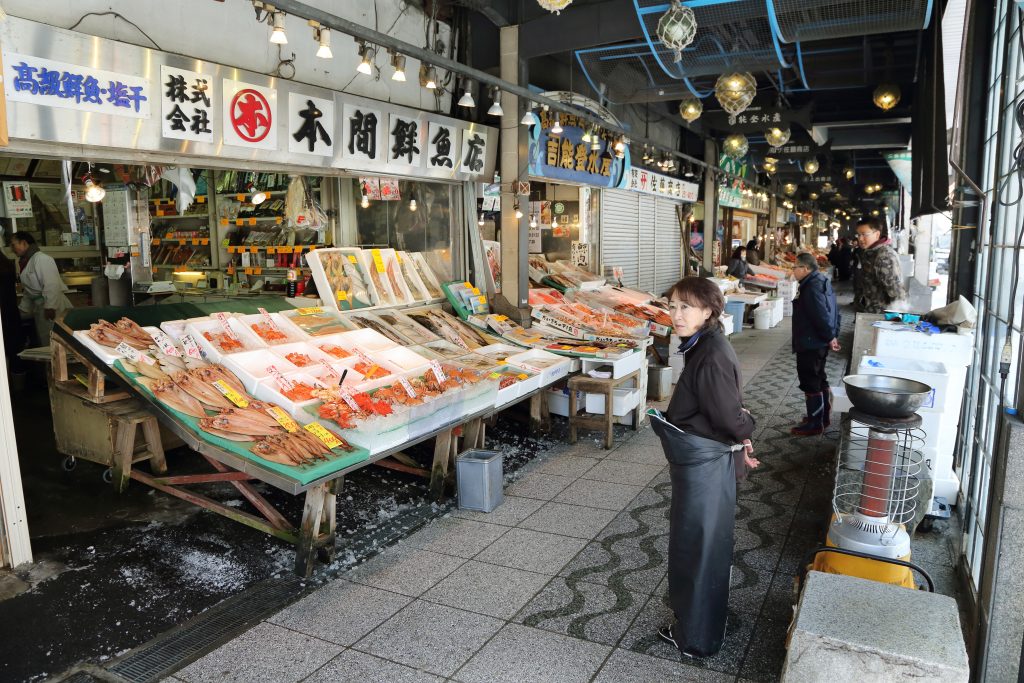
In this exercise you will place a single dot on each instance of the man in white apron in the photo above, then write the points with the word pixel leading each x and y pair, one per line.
pixel 42 288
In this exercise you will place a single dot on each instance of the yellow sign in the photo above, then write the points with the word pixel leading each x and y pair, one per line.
pixel 312 310
pixel 342 296
pixel 231 395
pixel 352 258
pixel 377 260
pixel 284 419
pixel 328 439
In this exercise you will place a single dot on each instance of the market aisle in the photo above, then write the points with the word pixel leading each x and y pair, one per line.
pixel 566 581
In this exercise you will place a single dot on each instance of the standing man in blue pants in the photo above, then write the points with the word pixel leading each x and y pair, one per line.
pixel 815 333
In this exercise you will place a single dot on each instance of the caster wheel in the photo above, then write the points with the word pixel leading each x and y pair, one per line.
pixel 108 476
pixel 68 463
pixel 925 526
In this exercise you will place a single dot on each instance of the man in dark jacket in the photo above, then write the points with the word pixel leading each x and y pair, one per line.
pixel 815 332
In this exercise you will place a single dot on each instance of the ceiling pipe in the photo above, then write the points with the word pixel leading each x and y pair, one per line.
pixel 365 33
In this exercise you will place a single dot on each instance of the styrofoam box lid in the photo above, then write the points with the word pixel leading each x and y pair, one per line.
pixel 255 363
pixel 872 363
pixel 402 357
pixel 366 340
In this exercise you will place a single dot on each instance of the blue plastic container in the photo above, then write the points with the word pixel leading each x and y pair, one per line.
pixel 736 309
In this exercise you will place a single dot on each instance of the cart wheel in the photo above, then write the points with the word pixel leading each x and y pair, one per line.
pixel 108 476
pixel 68 463
pixel 925 526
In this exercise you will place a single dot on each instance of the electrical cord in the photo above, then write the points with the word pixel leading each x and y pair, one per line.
pixel 117 15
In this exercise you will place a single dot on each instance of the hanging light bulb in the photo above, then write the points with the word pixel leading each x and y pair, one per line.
pixel 676 28
pixel 777 137
pixel 467 97
pixel 364 202
pixel 557 128
pixel 398 63
pixel 813 196
pixel 258 195
pixel 519 212
pixel 94 192
pixel 533 220
pixel 848 172
pixel 412 204
pixel 495 109
pixel 689 172
pixel 480 220
pixel 428 77
pixel 595 145
pixel 736 145
pixel 277 36
pixel 735 92
pixel 554 221
pixel 586 139
pixel 770 165
pixel 812 166
pixel 691 109
pixel 365 59
pixel 789 189
pixel 528 116
pixel 886 96
pixel 322 35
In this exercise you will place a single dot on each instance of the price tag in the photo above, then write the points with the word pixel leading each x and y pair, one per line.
pixel 165 344
pixel 252 221
pixel 377 260
pixel 364 358
pixel 326 438
pixel 501 318
pixel 240 197
pixel 226 243
pixel 408 387
pixel 222 318
pixel 284 419
pixel 438 372
pixel 133 354
pixel 192 350
pixel 312 310
pixel 475 290
pixel 267 319
pixel 482 299
pixel 195 241
pixel 342 295
pixel 522 376
pixel 282 381
pixel 330 369
pixel 495 375
pixel 398 255
pixel 346 396
pixel 469 284
pixel 230 394
pixel 254 250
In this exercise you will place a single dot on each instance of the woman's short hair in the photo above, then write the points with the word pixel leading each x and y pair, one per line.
pixel 752 244
pixel 807 260
pixel 702 293
pixel 23 236
pixel 738 251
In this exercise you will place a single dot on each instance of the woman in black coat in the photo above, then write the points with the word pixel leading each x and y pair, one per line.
pixel 738 267
pixel 706 436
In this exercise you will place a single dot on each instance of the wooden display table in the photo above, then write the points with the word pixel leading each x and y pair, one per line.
pixel 607 387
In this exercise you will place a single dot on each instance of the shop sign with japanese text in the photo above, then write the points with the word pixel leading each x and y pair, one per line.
pixel 58 84
pixel 565 156
pixel 310 125
pixel 249 115
pixel 648 182
pixel 186 104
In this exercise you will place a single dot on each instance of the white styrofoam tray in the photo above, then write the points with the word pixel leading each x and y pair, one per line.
pixel 549 366
pixel 252 367
pixel 309 349
pixel 105 353
pixel 292 333
pixel 269 390
pixel 366 340
pixel 249 341
pixel 403 358
pixel 294 319
pixel 623 401
pixel 621 367
pixel 175 329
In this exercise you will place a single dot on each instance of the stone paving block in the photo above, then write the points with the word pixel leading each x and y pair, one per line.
pixel 519 653
pixel 487 589
pixel 340 612
pixel 569 520
pixel 512 511
pixel 540 486
pixel 405 570
pixel 598 494
pixel 760 551
pixel 533 551
pixel 624 666
pixel 618 472
pixel 565 465
pixel 263 653
pixel 351 665
pixel 931 548
pixel 583 610
pixel 865 630
pixel 759 517
pixel 767 651
pixel 430 637
pixel 637 566
pixel 455 536
pixel 645 452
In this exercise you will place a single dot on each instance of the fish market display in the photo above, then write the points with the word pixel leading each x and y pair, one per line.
pixel 369 320
pixel 334 350
pixel 430 282
pixel 224 341
pixel 347 279
pixel 268 332
pixel 370 370
pixel 298 392
pixel 123 331
pixel 450 328
pixel 318 324
pixel 300 360
pixel 412 331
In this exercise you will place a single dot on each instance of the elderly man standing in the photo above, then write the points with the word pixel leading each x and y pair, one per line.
pixel 815 332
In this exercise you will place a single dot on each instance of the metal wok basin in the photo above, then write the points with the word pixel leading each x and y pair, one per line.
pixel 886 396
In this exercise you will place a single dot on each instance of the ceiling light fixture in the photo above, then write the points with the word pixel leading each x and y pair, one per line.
pixel 886 96
pixel 412 205
pixel 595 145
pixel 736 145
pixel 277 36
pixel 812 166
pixel 848 172
pixel 519 212
pixel 428 77
pixel 398 62
pixel 365 59
pixel 777 137
pixel 691 109
pixel 322 35
pixel 258 195
pixel 735 92
pixel 555 6
pixel 528 116
pixel 364 202
pixel 480 220
pixel 533 220
pixel 495 109
pixel 677 28
pixel 789 189
pixel 94 192
pixel 557 128
pixel 467 97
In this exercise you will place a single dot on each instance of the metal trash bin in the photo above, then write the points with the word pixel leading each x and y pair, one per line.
pixel 479 476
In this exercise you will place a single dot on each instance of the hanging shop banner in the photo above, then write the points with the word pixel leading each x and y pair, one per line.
pixel 900 163
pixel 565 156
pixel 737 167
pixel 186 104
pixel 49 83
pixel 648 182
pixel 223 115
pixel 759 119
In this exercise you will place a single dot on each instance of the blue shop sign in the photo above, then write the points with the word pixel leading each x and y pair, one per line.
pixel 565 156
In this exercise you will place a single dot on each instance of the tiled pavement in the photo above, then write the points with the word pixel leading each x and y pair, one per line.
pixel 566 581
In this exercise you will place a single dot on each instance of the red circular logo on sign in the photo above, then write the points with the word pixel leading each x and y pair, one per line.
pixel 251 116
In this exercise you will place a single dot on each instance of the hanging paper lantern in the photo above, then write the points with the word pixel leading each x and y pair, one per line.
pixel 812 166
pixel 777 137
pixel 676 28
pixel 813 196
pixel 887 96
pixel 691 109
pixel 736 145
pixel 735 92
pixel 848 172
pixel 789 189
pixel 555 6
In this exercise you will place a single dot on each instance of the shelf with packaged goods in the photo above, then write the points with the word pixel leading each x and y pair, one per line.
pixel 250 221
pixel 271 249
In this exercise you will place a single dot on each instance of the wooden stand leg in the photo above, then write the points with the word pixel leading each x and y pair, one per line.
pixel 439 470
pixel 124 451
pixel 157 460
pixel 572 415
pixel 540 415
pixel 312 513
pixel 59 361
pixel 609 417
pixel 328 524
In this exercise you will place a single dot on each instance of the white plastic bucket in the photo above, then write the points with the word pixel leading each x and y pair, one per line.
pixel 762 318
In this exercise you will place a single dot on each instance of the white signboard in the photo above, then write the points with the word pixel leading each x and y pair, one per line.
pixel 648 182
pixel 362 133
pixel 186 104
pixel 535 240
pixel 442 145
pixel 406 140
pixel 474 144
pixel 310 125
pixel 69 86
pixel 249 115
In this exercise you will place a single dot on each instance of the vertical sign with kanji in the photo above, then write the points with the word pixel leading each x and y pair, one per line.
pixel 406 140
pixel 362 134
pixel 474 151
pixel 442 146
pixel 186 104
pixel 310 125
pixel 250 118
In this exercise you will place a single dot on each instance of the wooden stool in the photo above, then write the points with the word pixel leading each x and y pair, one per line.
pixel 594 385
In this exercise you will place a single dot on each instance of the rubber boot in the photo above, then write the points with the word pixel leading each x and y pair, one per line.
pixel 813 424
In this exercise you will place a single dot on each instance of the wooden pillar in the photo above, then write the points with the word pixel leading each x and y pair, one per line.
pixel 710 204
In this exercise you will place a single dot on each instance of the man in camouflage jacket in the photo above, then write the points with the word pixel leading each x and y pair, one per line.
pixel 878 278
